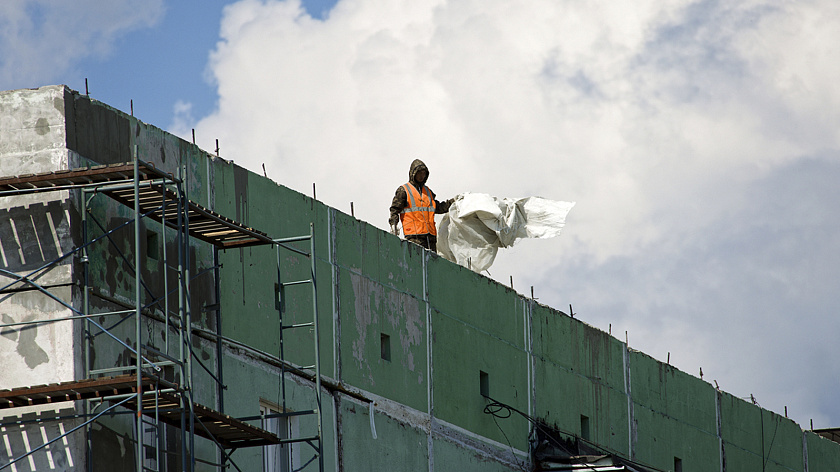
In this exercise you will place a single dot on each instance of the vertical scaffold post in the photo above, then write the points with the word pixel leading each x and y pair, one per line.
pixel 317 347
pixel 314 327
pixel 185 407
pixel 188 313
pixel 165 269
pixel 137 307
pixel 87 339
pixel 279 306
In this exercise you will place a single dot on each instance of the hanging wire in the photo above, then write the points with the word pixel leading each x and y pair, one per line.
pixel 501 410
pixel 765 457
pixel 498 410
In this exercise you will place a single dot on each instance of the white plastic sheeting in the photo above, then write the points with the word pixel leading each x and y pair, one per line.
pixel 477 225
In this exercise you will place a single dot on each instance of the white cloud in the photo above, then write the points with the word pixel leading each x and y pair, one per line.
pixel 182 118
pixel 42 39
pixel 677 126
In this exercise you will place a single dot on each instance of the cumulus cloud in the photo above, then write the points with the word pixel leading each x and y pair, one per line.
pixel 697 137
pixel 41 40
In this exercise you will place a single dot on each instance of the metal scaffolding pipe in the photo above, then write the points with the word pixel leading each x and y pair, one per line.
pixel 137 305
pixel 317 348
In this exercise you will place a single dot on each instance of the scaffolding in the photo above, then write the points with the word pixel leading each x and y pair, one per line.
pixel 316 441
pixel 146 386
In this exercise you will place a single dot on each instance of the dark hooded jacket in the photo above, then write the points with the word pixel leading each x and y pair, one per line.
pixel 400 201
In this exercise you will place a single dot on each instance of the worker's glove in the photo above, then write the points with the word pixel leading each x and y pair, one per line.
pixel 395 229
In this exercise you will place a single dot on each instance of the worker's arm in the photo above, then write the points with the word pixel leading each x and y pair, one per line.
pixel 399 202
pixel 443 207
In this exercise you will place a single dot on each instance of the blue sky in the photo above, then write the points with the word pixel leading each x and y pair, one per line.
pixel 699 139
pixel 162 64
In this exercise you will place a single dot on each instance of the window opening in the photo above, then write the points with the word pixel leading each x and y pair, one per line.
pixel 152 245
pixel 385 347
pixel 278 457
pixel 584 427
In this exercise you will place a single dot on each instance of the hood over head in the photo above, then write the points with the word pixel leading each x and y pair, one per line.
pixel 417 166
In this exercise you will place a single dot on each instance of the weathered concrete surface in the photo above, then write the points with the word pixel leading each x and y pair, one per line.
pixel 35 230
pixel 32 130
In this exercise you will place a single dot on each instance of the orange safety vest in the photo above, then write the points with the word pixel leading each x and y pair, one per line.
pixel 419 216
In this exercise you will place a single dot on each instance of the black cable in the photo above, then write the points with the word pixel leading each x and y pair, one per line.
pixel 765 457
pixel 775 430
pixel 494 407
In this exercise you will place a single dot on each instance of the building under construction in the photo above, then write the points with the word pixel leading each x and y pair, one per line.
pixel 162 309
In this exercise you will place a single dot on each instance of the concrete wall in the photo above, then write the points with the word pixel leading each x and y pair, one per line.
pixel 35 230
pixel 450 334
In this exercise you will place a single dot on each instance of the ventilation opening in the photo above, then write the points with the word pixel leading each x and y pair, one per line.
pixel 584 427
pixel 152 248
pixel 484 383
pixel 385 347
pixel 677 464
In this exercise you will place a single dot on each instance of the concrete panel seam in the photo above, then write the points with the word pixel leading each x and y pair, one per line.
pixel 672 418
pixel 595 380
pixel 476 328
pixel 488 448
pixel 631 428
pixel 721 452
pixel 445 428
pixel 429 364
pixel 527 309
pixel 439 429
pixel 805 451
pixel 336 302
pixel 379 282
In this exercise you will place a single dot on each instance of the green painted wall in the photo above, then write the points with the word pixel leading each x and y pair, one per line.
pixel 822 453
pixel 674 415
pixel 446 328
pixel 579 372
pixel 397 446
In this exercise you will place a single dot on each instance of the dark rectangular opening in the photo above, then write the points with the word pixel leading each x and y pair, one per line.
pixel 484 383
pixel 385 346
pixel 152 245
pixel 677 464
pixel 584 427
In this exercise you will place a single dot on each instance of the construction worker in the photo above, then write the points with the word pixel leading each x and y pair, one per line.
pixel 414 206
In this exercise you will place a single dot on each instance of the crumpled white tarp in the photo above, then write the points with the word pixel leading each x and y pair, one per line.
pixel 478 224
